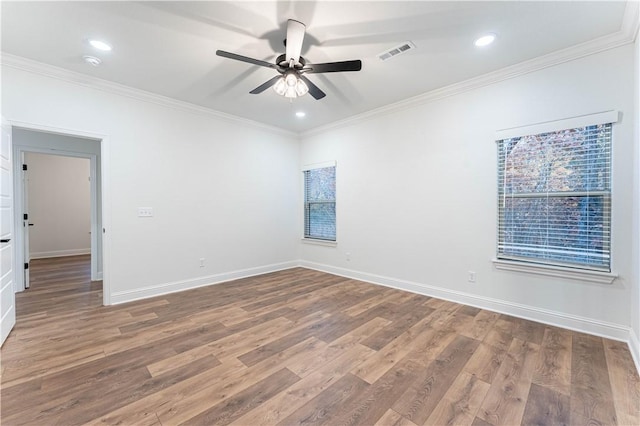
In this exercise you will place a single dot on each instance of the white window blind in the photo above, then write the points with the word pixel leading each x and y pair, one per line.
pixel 320 203
pixel 554 198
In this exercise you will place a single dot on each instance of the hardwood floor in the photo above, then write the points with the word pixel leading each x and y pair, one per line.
pixel 297 347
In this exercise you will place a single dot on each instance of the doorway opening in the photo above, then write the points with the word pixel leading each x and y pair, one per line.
pixel 57 206
pixel 60 195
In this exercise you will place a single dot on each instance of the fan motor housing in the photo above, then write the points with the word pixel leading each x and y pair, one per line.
pixel 283 65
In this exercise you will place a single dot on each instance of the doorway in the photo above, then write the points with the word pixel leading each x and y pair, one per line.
pixel 64 149
pixel 57 199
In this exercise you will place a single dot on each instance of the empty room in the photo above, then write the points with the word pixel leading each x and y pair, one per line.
pixel 320 212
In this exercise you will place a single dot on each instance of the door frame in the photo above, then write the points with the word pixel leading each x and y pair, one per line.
pixel 106 219
pixel 25 223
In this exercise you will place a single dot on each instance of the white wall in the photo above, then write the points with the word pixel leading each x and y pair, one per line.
pixel 59 205
pixel 416 193
pixel 222 190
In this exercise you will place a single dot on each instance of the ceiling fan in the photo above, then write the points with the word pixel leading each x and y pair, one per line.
pixel 292 82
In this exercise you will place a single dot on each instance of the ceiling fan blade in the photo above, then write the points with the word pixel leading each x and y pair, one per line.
pixel 313 89
pixel 355 65
pixel 265 86
pixel 295 37
pixel 244 59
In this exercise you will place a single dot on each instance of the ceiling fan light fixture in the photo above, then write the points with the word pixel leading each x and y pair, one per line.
pixel 291 83
pixel 290 86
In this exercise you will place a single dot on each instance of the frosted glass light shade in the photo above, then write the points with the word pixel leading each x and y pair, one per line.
pixel 301 88
pixel 290 86
pixel 280 87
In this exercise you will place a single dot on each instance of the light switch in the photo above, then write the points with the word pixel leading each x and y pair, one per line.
pixel 145 211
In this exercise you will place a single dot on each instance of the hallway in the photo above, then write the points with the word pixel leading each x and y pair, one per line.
pixel 58 285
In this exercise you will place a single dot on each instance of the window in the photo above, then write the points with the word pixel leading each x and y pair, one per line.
pixel 320 203
pixel 554 198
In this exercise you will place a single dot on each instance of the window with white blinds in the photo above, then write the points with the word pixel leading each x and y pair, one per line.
pixel 554 198
pixel 320 203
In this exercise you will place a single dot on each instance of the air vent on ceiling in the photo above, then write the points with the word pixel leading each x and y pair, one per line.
pixel 395 51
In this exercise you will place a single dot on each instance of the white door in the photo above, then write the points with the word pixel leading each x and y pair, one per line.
pixel 25 220
pixel 7 291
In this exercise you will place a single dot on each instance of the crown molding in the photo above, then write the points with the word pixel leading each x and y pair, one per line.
pixel 625 35
pixel 46 70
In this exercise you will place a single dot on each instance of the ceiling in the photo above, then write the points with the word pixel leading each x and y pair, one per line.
pixel 168 48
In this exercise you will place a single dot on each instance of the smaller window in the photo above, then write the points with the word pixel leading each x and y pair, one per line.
pixel 320 203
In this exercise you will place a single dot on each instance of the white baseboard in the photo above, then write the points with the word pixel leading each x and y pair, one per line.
pixel 173 287
pixel 555 318
pixel 59 253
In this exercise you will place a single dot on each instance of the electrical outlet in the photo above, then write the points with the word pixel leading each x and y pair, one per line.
pixel 202 262
pixel 348 255
pixel 145 211
pixel 472 277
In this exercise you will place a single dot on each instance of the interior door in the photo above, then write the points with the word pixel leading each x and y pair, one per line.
pixel 7 290
pixel 25 219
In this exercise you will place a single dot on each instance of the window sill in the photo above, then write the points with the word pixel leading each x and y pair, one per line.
pixel 556 271
pixel 320 242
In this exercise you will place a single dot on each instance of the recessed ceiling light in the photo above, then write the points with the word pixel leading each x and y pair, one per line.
pixel 485 40
pixel 100 45
pixel 92 60
pixel 300 114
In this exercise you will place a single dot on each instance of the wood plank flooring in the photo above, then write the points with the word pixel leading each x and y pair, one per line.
pixel 297 347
